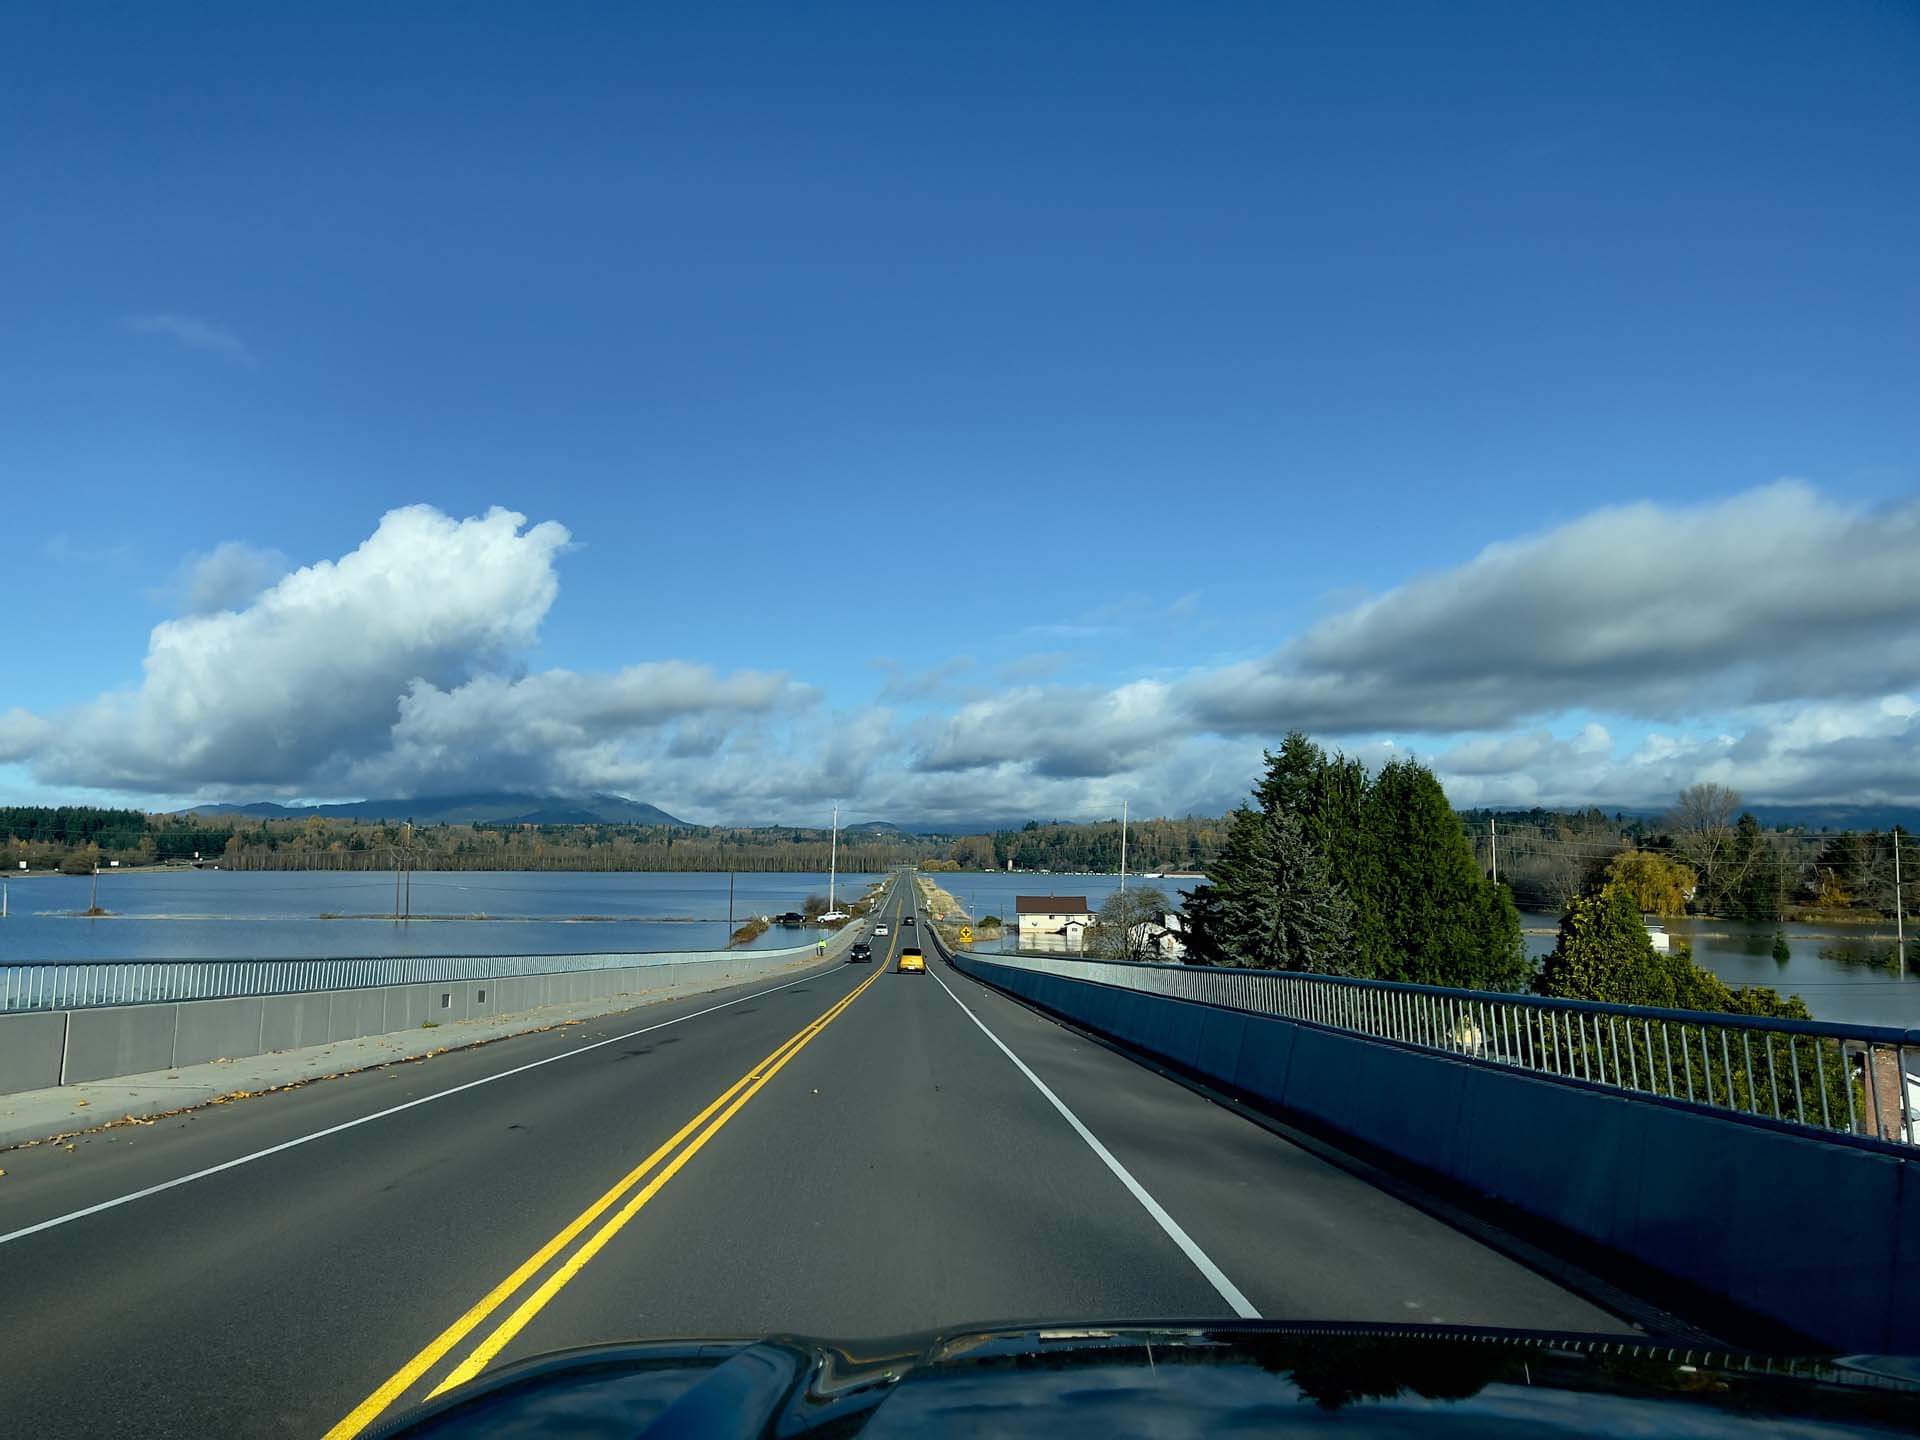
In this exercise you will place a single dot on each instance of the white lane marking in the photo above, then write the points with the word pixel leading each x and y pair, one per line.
pixel 1201 1261
pixel 299 1140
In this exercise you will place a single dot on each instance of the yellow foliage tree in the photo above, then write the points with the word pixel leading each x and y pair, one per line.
pixel 1657 884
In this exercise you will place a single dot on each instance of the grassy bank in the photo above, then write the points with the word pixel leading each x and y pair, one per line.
pixel 944 903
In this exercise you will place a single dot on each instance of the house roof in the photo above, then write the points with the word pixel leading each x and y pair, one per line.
pixel 1050 905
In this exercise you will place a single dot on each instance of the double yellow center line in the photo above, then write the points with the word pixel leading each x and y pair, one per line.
pixel 702 1127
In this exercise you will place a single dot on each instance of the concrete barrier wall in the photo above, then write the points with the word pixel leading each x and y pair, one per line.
pixel 42 1049
pixel 31 1048
pixel 1821 1236
pixel 217 1030
pixel 290 1021
pixel 118 1040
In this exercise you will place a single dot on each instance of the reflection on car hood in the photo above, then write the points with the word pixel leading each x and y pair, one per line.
pixel 1175 1380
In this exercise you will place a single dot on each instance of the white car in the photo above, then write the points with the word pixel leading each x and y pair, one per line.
pixel 879 930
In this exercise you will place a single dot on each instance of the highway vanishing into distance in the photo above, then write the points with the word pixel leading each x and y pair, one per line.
pixel 853 1153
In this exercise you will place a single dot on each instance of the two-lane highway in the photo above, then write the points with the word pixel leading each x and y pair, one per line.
pixel 854 1153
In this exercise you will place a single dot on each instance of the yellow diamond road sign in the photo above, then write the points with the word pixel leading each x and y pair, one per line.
pixel 966 934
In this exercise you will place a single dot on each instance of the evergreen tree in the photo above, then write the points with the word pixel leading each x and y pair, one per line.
pixel 1273 903
pixel 1445 923
pixel 1337 873
pixel 1604 953
pixel 1245 906
pixel 1335 819
pixel 1200 908
pixel 1293 776
pixel 1314 923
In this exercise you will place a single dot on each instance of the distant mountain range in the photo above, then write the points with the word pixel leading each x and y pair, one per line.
pixel 931 827
pixel 1838 817
pixel 496 808
pixel 511 808
pixel 1811 816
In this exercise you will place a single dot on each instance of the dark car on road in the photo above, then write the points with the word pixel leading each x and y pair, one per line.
pixel 907 921
pixel 860 953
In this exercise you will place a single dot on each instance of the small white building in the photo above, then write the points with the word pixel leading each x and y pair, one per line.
pixel 1164 937
pixel 1052 922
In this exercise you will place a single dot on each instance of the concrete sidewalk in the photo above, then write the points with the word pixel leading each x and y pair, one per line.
pixel 34 1115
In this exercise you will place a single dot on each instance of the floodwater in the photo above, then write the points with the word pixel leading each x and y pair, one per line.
pixel 277 914
pixel 1843 972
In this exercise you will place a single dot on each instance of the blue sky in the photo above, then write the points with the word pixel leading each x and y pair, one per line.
pixel 1007 383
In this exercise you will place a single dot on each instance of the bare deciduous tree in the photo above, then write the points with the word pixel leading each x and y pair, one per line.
pixel 1122 929
pixel 1702 822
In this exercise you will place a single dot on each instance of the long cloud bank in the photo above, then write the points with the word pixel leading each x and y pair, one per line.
pixel 1770 640
pixel 1795 616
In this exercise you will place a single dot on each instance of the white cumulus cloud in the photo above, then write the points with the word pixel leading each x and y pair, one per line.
pixel 1770 641
pixel 1644 610
pixel 290 689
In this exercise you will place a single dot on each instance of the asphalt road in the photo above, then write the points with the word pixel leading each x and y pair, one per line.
pixel 854 1153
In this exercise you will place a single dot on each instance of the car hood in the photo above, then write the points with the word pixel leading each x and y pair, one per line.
pixel 1171 1380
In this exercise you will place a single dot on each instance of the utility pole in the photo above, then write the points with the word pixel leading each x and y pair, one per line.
pixel 409 914
pixel 93 897
pixel 833 860
pixel 729 909
pixel 1493 838
pixel 1899 908
pixel 1123 854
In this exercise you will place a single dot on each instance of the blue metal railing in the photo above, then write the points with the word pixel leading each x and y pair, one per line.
pixel 1812 1074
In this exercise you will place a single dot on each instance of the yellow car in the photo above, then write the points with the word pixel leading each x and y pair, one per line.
pixel 912 961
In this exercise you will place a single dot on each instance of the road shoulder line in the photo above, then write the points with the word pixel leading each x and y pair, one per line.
pixel 1546 1259
pixel 1227 1290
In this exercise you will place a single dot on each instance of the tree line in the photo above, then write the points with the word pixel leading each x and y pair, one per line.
pixel 1725 862
pixel 1337 871
pixel 77 839
pixel 1332 870
pixel 1191 843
